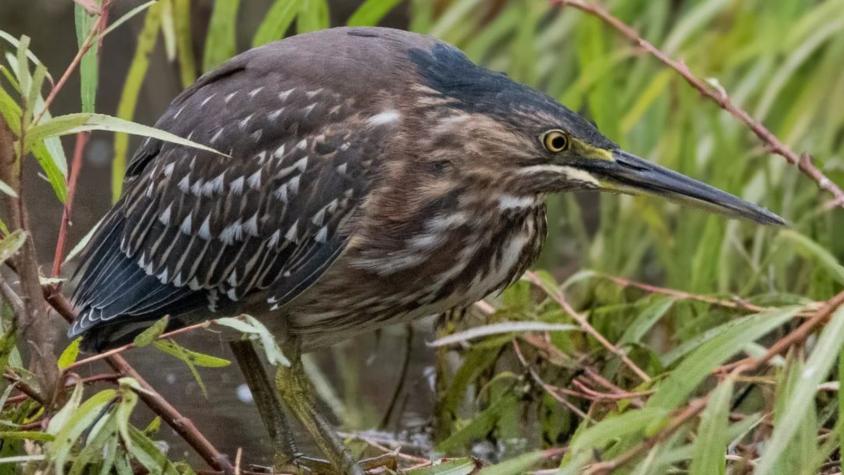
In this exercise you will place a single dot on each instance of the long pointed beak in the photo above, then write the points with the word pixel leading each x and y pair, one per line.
pixel 631 174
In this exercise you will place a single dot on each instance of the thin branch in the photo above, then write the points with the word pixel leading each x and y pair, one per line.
pixel 128 346
pixel 558 297
pixel 181 424
pixel 752 364
pixel 35 331
pixel 796 337
pixel 75 166
pixel 689 412
pixel 802 161
pixel 736 304
pixel 89 41
pixel 552 391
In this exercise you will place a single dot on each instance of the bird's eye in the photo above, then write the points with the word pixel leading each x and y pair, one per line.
pixel 555 141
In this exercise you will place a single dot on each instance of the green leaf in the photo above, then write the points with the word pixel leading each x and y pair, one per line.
pixel 147 453
pixel 810 249
pixel 88 66
pixel 515 466
pixel 478 427
pixel 128 401
pixel 76 424
pixel 11 244
pixel 16 44
pixel 277 21
pixel 646 319
pixel 69 355
pixel 152 332
pixel 34 96
pixel 251 326
pixel 58 421
pixel 502 328
pixel 693 369
pixel 82 122
pixel 22 72
pixel 199 359
pixel 99 445
pixel 616 427
pixel 50 155
pixel 710 447
pixel 26 435
pixel 814 372
pixel 10 111
pixel 126 17
pixel 371 12
pixel 173 349
pixel 220 42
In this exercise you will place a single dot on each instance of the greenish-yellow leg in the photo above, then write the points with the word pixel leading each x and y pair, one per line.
pixel 267 401
pixel 295 389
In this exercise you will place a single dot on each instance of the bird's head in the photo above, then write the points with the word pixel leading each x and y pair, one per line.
pixel 531 144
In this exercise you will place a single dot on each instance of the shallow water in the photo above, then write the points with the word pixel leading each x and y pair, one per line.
pixel 362 372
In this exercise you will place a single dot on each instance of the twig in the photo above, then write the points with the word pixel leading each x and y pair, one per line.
pixel 86 45
pixel 75 166
pixel 795 337
pixel 405 364
pixel 802 161
pixel 78 151
pixel 25 388
pixel 558 297
pixel 551 390
pixel 181 424
pixel 35 331
pixel 127 346
pixel 749 365
pixel 680 294
pixel 688 413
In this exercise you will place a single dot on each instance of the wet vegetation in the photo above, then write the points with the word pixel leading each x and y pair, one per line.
pixel 651 338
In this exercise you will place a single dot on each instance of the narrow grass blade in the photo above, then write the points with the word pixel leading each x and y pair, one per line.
pixel 814 251
pixel 710 447
pixel 88 67
pixel 816 369
pixel 694 368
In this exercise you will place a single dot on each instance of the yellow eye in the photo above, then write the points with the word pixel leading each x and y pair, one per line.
pixel 555 141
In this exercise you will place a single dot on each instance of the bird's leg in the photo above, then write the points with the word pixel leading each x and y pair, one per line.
pixel 296 390
pixel 267 400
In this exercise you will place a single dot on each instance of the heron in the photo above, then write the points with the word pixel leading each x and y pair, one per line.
pixel 368 176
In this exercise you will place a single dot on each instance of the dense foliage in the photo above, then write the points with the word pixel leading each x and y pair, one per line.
pixel 725 361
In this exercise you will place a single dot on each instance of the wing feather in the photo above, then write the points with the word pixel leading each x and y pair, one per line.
pixel 198 232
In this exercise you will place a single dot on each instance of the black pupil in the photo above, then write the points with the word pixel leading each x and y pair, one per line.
pixel 558 142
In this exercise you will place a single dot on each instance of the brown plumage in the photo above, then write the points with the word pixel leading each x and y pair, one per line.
pixel 374 175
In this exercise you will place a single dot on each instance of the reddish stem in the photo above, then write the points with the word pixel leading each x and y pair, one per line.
pixel 75 167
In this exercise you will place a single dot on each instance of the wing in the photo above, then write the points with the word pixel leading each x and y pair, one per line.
pixel 196 230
